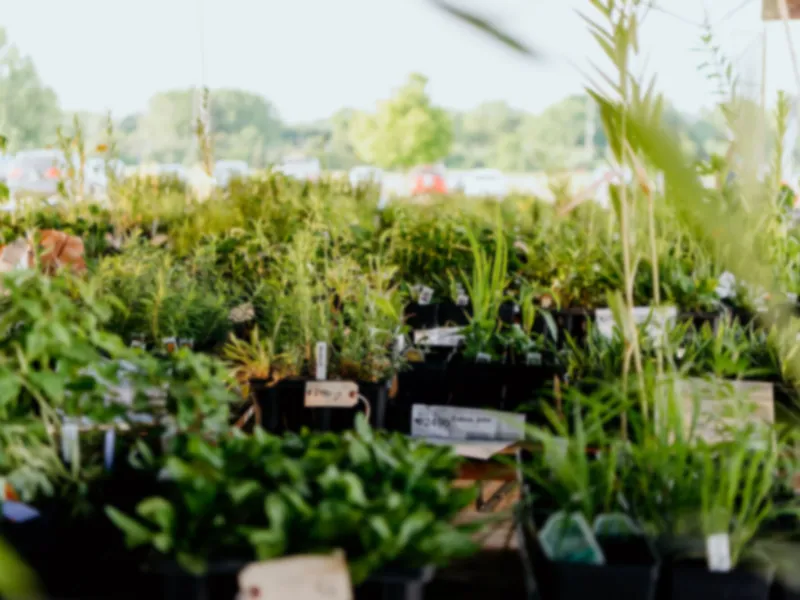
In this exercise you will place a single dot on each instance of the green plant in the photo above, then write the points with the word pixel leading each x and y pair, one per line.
pixel 383 499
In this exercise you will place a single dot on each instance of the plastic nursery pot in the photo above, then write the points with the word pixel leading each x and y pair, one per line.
pixel 451 314
pixel 574 322
pixel 508 387
pixel 631 571
pixel 421 383
pixel 693 581
pixel 421 316
pixel 701 318
pixel 283 409
pixel 395 584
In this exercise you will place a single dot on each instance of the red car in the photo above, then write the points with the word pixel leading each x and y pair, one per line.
pixel 428 180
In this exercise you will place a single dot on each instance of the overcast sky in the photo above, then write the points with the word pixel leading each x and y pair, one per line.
pixel 312 57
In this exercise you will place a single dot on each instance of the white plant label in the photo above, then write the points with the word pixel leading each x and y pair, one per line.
pixel 425 295
pixel 718 552
pixel 660 320
pixel 533 359
pixel 322 361
pixel 305 577
pixel 186 343
pixel 482 357
pixel 452 423
pixel 332 394
pixel 462 299
pixel 448 337
pixel 69 441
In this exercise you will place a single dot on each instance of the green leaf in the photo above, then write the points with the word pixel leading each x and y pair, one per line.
pixel 159 511
pixel 51 384
pixel 136 534
pixel 193 564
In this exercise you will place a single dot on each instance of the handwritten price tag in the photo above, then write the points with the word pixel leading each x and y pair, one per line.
pixel 333 394
pixel 304 577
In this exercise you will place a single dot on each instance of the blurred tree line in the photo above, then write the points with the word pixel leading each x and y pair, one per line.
pixel 404 130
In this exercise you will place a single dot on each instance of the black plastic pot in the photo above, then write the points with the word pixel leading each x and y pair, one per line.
pixel 451 315
pixel 699 319
pixel 421 383
pixel 631 572
pixel 693 581
pixel 221 583
pixel 421 316
pixel 572 321
pixel 283 407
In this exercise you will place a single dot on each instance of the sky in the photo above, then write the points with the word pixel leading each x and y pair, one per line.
pixel 313 57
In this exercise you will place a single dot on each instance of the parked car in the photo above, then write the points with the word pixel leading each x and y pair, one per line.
pixel 225 170
pixel 36 174
pixel 365 175
pixel 485 183
pixel 304 169
pixel 428 180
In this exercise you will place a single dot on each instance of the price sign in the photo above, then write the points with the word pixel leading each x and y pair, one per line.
pixel 453 423
pixel 331 394
pixel 449 337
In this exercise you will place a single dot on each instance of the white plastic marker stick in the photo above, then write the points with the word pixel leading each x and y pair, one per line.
pixel 718 552
pixel 322 361
pixel 69 441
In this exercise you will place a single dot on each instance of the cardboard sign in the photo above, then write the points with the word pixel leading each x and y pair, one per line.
pixel 771 10
pixel 331 394
pixel 303 577
pixel 456 423
pixel 447 337
pixel 717 406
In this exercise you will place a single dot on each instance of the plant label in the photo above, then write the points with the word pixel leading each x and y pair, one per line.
pixel 658 319
pixel 69 441
pixel 186 343
pixel 321 356
pixel 425 295
pixel 331 394
pixel 718 552
pixel 109 443
pixel 482 357
pixel 713 409
pixel 462 300
pixel 455 423
pixel 533 359
pixel 304 577
pixel 170 344
pixel 448 337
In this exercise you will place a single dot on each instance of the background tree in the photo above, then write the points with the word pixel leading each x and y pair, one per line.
pixel 29 111
pixel 406 130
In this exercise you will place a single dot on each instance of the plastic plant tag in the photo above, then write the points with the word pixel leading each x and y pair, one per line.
pixel 658 320
pixel 533 359
pixel 332 394
pixel 568 538
pixel 718 552
pixel 446 337
pixel 170 344
pixel 186 343
pixel 17 512
pixel 425 295
pixel 69 441
pixel 305 577
pixel 455 423
pixel 726 285
pixel 109 442
pixel 399 345
pixel 615 524
pixel 138 341
pixel 482 357
pixel 321 357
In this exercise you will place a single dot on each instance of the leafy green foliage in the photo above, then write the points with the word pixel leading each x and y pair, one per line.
pixel 383 499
